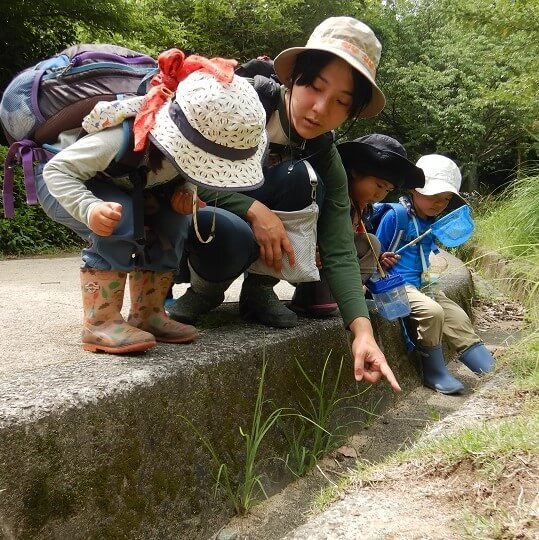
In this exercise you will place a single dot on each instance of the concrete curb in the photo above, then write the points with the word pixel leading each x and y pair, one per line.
pixel 96 446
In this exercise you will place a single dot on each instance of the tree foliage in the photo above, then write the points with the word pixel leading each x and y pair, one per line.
pixel 460 76
pixel 459 82
pixel 35 30
pixel 31 231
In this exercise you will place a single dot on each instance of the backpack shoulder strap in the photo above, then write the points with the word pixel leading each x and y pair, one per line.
pixel 269 93
pixel 401 220
pixel 127 159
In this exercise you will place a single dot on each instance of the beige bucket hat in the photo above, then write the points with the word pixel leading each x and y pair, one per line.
pixel 349 39
pixel 213 132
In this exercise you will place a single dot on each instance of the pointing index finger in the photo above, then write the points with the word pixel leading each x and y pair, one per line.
pixel 391 379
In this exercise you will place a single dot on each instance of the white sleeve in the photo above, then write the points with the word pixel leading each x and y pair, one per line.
pixel 68 171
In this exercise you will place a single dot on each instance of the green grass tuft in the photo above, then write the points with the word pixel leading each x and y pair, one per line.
pixel 508 227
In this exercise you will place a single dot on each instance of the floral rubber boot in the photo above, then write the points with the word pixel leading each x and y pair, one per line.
pixel 104 329
pixel 148 291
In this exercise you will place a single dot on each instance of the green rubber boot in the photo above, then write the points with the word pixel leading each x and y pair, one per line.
pixel 200 298
pixel 258 302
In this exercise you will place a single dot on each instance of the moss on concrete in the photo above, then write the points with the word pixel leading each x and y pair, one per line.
pixel 128 465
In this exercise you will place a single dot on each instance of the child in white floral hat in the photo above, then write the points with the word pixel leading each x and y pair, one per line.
pixel 209 131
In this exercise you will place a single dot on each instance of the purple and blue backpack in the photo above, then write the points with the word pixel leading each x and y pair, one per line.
pixel 55 95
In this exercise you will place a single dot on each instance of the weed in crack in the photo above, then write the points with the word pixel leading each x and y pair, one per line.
pixel 243 492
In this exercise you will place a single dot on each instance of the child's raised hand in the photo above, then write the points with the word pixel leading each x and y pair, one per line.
pixel 388 259
pixel 105 217
pixel 182 202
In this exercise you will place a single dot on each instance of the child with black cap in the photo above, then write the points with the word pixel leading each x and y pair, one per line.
pixel 375 165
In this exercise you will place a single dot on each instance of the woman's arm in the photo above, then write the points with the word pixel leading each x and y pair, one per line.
pixel 340 263
pixel 336 239
pixel 236 202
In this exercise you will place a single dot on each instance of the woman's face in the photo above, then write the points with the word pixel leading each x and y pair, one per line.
pixel 324 104
pixel 366 190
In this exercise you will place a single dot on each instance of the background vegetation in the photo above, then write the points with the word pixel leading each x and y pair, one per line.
pixel 460 76
pixel 506 247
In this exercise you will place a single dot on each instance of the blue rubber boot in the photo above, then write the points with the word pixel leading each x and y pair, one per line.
pixel 435 373
pixel 478 359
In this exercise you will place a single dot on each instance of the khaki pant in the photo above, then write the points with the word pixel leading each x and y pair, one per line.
pixel 437 317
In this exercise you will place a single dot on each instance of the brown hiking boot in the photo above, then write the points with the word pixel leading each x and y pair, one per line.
pixel 104 329
pixel 148 291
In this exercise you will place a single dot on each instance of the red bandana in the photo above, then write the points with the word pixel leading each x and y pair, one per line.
pixel 173 68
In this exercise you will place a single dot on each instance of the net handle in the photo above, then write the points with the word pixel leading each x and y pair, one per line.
pixel 380 269
pixel 414 241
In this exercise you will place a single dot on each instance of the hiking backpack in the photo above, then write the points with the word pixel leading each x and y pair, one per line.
pixel 55 95
pixel 379 210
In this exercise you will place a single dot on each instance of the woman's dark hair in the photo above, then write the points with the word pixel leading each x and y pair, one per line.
pixel 310 63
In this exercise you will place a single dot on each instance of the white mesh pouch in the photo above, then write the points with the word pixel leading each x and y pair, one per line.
pixel 300 226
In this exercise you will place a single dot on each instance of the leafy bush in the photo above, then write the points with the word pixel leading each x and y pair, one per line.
pixel 30 231
pixel 508 233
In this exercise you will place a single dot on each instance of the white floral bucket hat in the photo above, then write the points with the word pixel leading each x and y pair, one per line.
pixel 349 39
pixel 213 132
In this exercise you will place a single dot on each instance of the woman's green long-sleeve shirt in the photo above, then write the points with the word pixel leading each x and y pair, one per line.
pixel 335 233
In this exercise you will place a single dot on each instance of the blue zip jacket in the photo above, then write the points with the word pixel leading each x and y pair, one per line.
pixel 409 266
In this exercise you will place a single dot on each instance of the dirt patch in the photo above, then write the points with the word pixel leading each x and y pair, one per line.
pixel 500 314
pixel 408 502
pixel 506 506
pixel 492 311
pixel 452 502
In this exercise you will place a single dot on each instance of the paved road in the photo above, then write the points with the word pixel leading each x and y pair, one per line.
pixel 40 312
